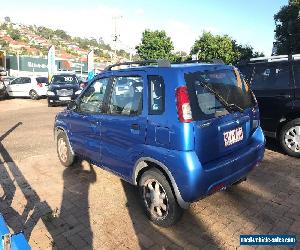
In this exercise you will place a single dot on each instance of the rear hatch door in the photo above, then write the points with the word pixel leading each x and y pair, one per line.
pixel 222 108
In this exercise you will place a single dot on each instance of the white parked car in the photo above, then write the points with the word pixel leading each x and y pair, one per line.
pixel 33 87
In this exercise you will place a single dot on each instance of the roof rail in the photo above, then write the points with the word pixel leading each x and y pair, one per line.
pixel 276 58
pixel 160 63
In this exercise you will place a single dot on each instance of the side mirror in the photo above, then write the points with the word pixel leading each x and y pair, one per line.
pixel 72 105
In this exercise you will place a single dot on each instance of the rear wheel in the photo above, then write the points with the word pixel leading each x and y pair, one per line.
pixel 33 95
pixel 64 150
pixel 290 138
pixel 158 199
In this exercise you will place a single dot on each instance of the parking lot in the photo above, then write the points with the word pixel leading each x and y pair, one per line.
pixel 87 208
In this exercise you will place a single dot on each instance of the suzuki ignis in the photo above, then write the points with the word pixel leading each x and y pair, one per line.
pixel 180 132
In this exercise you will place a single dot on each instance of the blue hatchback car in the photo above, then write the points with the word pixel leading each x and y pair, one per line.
pixel 178 131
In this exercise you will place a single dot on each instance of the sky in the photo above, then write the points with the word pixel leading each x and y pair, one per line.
pixel 248 22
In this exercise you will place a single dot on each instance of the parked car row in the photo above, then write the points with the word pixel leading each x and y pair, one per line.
pixel 62 87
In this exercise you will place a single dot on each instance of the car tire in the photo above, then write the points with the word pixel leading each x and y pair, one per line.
pixel 158 199
pixel 290 138
pixel 33 95
pixel 64 151
pixel 49 104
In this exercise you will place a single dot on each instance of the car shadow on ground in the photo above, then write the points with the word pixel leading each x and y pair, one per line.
pixel 189 232
pixel 61 224
pixel 265 203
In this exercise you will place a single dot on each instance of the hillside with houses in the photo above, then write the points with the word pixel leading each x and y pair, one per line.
pixel 32 40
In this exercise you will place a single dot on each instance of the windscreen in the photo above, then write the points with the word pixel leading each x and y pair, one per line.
pixel 216 92
pixel 64 79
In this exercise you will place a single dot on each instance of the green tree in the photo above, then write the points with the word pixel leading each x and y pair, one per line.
pixel 209 47
pixel 14 34
pixel 45 32
pixel 287 31
pixel 155 45
pixel 244 52
pixel 62 34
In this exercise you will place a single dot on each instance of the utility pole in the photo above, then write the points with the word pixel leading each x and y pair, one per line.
pixel 116 35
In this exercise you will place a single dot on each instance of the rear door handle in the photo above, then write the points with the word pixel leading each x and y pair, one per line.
pixel 135 127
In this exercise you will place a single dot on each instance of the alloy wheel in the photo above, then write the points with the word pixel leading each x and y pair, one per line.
pixel 156 199
pixel 292 139
pixel 62 149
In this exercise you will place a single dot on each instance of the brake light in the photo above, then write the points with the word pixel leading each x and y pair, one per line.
pixel 183 104
pixel 39 84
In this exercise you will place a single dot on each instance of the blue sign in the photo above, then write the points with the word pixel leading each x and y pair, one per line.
pixel 268 240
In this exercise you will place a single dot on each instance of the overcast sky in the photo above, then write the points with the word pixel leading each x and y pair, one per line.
pixel 248 22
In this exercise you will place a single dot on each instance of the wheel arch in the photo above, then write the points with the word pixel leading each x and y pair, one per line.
pixel 145 163
pixel 57 129
pixel 284 120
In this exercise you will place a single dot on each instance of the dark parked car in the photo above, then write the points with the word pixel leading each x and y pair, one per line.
pixel 63 88
pixel 179 132
pixel 276 84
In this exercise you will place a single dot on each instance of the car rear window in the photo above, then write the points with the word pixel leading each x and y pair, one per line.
pixel 226 83
pixel 42 79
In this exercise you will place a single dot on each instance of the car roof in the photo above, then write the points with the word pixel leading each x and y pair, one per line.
pixel 180 66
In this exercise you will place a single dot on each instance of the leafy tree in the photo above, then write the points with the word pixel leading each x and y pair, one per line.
pixel 155 45
pixel 244 52
pixel 45 32
pixel 287 31
pixel 209 47
pixel 62 34
pixel 3 44
pixel 14 34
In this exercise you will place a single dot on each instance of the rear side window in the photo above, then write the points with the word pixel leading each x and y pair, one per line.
pixel 127 96
pixel 270 76
pixel 26 80
pixel 156 89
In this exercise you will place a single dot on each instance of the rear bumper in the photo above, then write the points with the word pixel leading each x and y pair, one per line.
pixel 195 181
pixel 41 91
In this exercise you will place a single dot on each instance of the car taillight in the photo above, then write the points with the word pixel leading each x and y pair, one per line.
pixel 39 84
pixel 183 104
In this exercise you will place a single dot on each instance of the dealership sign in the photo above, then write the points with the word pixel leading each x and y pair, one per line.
pixel 37 65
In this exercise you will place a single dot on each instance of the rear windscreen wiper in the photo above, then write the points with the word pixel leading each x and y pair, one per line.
pixel 228 106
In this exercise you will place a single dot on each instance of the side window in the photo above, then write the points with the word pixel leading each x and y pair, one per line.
pixel 16 81
pixel 271 77
pixel 26 80
pixel 156 95
pixel 297 74
pixel 127 96
pixel 92 99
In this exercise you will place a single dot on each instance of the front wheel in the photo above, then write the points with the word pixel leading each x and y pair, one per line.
pixel 158 199
pixel 64 151
pixel 290 138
